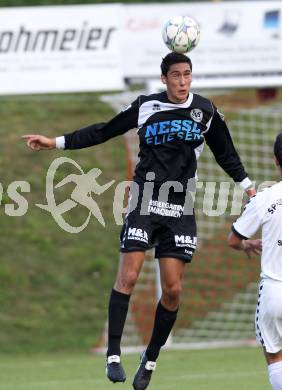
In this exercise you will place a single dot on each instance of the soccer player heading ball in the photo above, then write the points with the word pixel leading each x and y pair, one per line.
pixel 172 128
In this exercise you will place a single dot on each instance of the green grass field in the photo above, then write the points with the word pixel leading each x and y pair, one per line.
pixel 213 369
pixel 54 285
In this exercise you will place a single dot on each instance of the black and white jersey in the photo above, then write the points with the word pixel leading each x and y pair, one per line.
pixel 171 137
pixel 265 210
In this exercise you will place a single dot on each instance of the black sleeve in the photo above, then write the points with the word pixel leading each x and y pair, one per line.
pixel 100 132
pixel 220 142
pixel 238 234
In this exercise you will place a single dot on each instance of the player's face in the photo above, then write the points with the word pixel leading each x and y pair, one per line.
pixel 178 81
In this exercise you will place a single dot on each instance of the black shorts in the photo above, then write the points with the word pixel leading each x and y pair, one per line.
pixel 165 225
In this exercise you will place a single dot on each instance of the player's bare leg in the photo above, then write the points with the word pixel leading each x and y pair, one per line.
pixel 274 361
pixel 171 273
pixel 129 268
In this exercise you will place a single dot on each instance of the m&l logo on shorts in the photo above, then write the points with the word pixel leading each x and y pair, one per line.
pixel 137 234
pixel 185 241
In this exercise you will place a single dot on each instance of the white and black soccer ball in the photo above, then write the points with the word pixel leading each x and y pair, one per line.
pixel 181 34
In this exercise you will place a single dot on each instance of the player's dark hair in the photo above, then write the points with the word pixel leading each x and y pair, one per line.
pixel 278 148
pixel 174 58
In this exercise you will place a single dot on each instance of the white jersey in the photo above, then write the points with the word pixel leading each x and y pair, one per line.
pixel 265 210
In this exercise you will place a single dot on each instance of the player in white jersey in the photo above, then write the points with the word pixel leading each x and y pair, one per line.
pixel 265 211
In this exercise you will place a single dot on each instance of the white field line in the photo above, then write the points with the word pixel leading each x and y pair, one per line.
pixel 188 346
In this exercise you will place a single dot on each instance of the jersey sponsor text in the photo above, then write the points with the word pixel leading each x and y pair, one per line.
pixel 273 207
pixel 168 131
pixel 165 209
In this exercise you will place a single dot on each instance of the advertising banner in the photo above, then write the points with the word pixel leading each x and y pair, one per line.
pixel 60 49
pixel 237 38
pixel 95 47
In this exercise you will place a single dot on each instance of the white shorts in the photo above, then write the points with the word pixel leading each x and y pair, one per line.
pixel 268 318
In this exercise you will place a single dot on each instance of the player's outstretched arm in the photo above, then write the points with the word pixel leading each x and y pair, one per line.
pixel 39 142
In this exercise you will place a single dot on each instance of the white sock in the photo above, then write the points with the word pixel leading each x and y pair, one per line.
pixel 275 375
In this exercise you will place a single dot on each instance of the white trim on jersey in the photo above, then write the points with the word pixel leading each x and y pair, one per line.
pixel 60 142
pixel 208 124
pixel 150 107
pixel 198 150
pixel 265 210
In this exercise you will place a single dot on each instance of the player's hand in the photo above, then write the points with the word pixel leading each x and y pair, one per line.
pixel 39 142
pixel 251 192
pixel 252 246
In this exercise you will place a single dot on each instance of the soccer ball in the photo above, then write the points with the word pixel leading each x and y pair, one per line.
pixel 181 34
